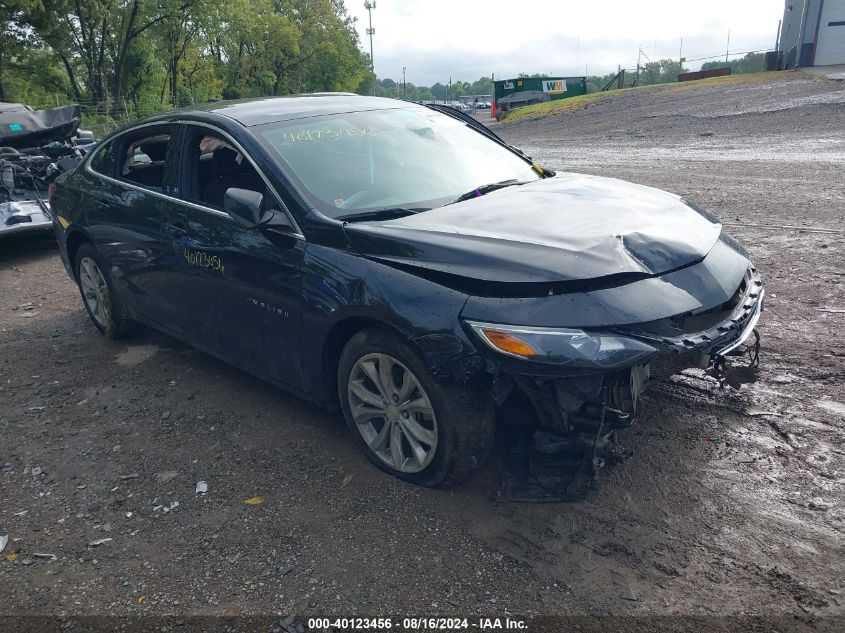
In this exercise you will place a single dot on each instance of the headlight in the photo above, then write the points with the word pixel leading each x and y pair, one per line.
pixel 563 346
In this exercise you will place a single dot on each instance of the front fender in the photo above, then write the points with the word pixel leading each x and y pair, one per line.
pixel 340 287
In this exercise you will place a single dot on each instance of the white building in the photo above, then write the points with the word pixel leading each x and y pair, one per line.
pixel 812 33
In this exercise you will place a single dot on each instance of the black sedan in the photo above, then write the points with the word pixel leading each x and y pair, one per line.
pixel 404 263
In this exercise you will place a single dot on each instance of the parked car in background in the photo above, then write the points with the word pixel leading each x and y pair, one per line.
pixel 404 264
pixel 36 146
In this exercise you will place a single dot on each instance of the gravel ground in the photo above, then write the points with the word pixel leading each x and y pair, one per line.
pixel 733 503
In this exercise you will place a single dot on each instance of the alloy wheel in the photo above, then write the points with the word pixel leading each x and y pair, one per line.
pixel 95 291
pixel 392 412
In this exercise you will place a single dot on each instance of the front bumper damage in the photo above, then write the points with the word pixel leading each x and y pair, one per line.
pixel 579 416
pixel 24 216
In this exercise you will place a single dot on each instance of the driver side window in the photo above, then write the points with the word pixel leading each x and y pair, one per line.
pixel 211 165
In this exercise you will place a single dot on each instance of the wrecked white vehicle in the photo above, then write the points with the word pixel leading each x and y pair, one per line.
pixel 36 146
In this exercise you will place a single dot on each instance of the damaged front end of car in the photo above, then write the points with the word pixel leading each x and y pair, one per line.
pixel 36 147
pixel 582 386
pixel 581 293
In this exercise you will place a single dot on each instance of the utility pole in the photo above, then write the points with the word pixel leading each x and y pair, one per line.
pixel 369 6
pixel 728 49
pixel 404 86
pixel 639 54
pixel 642 54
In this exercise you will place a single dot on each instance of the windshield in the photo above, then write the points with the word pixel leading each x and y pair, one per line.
pixel 408 158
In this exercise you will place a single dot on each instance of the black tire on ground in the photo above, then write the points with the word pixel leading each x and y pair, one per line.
pixel 464 414
pixel 115 324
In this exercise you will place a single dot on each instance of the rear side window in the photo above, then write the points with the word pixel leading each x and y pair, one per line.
pixel 141 159
pixel 103 160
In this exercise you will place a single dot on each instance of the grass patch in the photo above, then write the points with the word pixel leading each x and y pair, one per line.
pixel 563 106
pixel 549 108
pixel 747 78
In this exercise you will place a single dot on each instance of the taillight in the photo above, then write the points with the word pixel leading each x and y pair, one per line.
pixel 51 190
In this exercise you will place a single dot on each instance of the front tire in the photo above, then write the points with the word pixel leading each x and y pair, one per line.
pixel 408 424
pixel 98 297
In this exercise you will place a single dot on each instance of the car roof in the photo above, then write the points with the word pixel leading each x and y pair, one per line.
pixel 263 110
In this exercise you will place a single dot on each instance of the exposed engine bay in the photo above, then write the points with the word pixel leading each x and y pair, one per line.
pixel 36 146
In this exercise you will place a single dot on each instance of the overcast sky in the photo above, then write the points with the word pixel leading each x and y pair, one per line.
pixel 465 39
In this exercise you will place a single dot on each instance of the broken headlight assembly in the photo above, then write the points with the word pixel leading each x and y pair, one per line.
pixel 564 346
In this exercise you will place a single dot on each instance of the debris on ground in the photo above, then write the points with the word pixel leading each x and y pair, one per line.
pixel 165 476
pixel 254 501
pixel 3 541
pixel 165 508
pixel 202 488
pixel 819 504
pixel 99 541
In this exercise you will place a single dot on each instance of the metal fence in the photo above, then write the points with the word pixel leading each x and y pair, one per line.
pixel 101 117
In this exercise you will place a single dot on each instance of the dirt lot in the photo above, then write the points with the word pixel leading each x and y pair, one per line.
pixel 733 504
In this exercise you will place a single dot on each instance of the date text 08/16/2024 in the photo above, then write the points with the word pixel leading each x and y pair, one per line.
pixel 417 624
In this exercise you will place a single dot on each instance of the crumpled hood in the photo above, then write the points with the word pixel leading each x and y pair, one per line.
pixel 567 228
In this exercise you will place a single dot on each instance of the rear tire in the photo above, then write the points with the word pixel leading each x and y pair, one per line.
pixel 98 297
pixel 407 423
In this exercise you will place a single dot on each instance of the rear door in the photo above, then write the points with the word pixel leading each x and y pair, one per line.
pixel 239 287
pixel 130 178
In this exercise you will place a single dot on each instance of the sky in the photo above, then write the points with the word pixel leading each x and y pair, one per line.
pixel 467 39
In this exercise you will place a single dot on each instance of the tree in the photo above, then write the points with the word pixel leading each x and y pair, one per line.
pixel 483 86
pixel 28 71
pixel 12 40
pixel 329 56
pixel 254 44
pixel 175 33
pixel 93 39
pixel 751 63
pixel 660 72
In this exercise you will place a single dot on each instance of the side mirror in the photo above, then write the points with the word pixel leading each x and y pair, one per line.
pixel 245 206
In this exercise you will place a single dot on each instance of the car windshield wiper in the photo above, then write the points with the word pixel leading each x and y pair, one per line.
pixel 381 214
pixel 480 191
